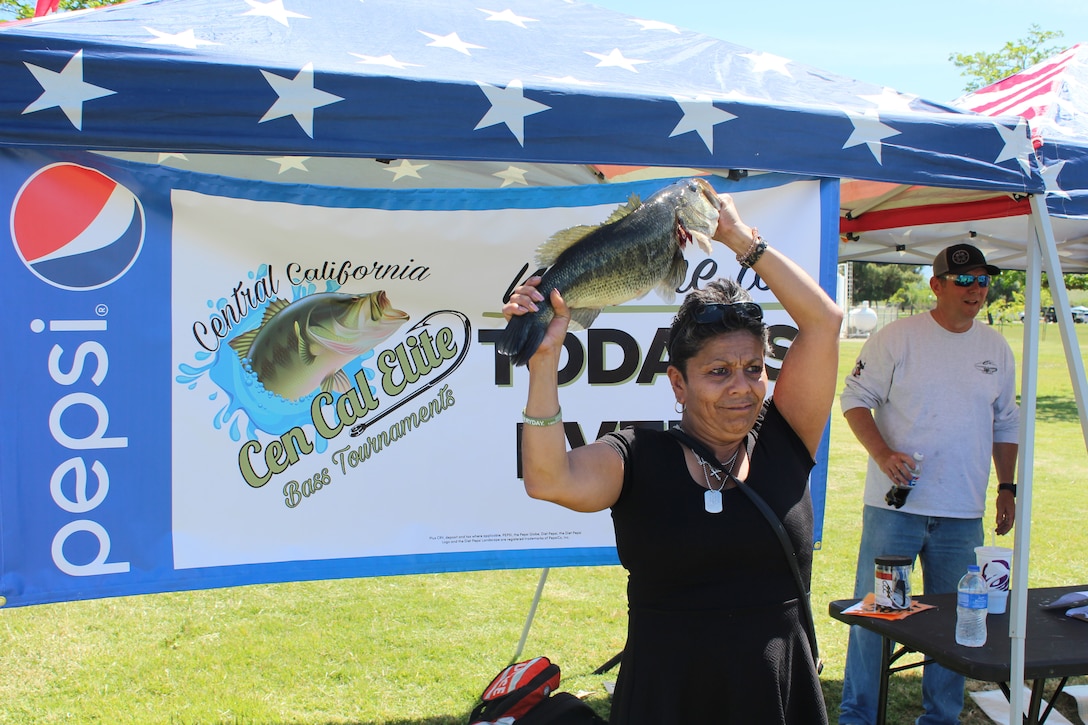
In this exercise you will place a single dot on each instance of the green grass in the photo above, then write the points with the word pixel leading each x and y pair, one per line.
pixel 417 650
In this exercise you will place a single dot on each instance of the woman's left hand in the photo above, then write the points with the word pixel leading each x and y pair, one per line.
pixel 523 299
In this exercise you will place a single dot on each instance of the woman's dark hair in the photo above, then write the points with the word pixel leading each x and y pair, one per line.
pixel 687 336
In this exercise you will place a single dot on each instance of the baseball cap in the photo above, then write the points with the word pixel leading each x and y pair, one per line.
pixel 960 258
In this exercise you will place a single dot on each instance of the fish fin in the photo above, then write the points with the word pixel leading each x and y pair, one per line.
pixel 561 241
pixel 582 317
pixel 338 381
pixel 243 343
pixel 523 334
pixel 304 353
pixel 275 307
pixel 674 277
pixel 703 241
pixel 633 202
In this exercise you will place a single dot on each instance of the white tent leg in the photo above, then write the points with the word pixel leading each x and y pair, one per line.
pixel 532 613
pixel 1052 265
pixel 1018 596
pixel 1043 254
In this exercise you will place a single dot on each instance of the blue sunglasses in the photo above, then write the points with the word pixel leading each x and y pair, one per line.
pixel 966 280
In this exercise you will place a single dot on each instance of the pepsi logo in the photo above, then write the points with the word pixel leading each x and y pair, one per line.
pixel 76 228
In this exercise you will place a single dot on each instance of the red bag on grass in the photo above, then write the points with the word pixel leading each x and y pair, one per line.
pixel 516 690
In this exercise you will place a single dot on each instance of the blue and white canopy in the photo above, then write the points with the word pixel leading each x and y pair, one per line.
pixel 543 81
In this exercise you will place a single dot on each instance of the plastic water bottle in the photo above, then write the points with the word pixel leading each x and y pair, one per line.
pixel 971 602
pixel 916 472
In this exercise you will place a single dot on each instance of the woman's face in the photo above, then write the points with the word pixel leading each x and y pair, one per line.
pixel 725 385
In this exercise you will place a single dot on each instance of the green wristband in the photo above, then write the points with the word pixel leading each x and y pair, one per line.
pixel 542 422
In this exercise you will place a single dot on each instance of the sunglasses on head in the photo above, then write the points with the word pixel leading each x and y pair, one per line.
pixel 717 311
pixel 966 280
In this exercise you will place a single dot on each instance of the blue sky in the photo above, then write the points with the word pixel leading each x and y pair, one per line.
pixel 904 45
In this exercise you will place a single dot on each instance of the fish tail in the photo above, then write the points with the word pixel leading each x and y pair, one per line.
pixel 522 337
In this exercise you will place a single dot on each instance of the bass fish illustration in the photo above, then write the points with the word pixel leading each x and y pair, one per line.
pixel 638 248
pixel 303 345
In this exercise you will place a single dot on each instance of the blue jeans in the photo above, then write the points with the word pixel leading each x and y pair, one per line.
pixel 945 547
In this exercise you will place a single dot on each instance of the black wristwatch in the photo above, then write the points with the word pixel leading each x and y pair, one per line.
pixel 1007 487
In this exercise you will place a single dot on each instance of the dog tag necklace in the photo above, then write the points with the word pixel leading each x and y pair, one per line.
pixel 712 497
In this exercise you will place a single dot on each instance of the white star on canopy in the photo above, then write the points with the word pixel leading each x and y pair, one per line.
pixel 510 106
pixel 870 131
pixel 508 16
pixel 451 41
pixel 763 62
pixel 406 168
pixel 65 90
pixel 1050 178
pixel 890 100
pixel 184 39
pixel 1017 144
pixel 297 97
pixel 512 175
pixel 700 116
pixel 385 60
pixel 617 60
pixel 273 9
pixel 571 81
pixel 291 162
pixel 656 25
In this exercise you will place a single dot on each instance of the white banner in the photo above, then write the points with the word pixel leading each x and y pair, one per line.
pixel 333 403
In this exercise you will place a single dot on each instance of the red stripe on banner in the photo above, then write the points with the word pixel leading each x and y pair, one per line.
pixel 1010 95
pixel 995 208
pixel 1021 93
pixel 44 7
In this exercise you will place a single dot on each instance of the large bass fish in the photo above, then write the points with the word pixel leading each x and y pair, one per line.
pixel 638 248
pixel 303 345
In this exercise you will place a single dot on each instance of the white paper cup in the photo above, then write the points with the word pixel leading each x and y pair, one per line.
pixel 997 600
pixel 995 563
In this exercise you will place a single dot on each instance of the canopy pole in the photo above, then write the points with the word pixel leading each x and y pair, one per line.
pixel 1042 254
pixel 532 613
pixel 1029 369
pixel 1053 267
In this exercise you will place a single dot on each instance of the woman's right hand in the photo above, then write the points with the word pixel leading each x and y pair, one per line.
pixel 732 231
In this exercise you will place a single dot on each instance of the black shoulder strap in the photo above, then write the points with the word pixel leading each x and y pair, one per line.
pixel 703 452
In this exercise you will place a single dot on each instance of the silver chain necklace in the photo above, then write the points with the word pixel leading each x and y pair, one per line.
pixel 712 497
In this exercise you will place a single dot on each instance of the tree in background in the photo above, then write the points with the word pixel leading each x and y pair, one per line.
pixel 983 68
pixel 23 9
pixel 915 297
pixel 875 282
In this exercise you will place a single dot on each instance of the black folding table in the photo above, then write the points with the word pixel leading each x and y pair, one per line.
pixel 1056 646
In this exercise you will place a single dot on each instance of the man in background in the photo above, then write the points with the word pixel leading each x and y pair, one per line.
pixel 943 385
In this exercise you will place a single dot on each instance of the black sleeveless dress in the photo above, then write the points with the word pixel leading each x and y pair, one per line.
pixel 715 629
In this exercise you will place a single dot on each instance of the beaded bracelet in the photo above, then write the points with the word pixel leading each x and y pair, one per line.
pixel 542 422
pixel 755 250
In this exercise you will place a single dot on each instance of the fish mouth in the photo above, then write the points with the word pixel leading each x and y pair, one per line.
pixel 698 215
pixel 382 309
pixel 708 192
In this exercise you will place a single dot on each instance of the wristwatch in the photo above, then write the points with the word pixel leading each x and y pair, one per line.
pixel 1007 487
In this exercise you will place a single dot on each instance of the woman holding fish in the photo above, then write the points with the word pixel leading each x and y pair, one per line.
pixel 717 629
